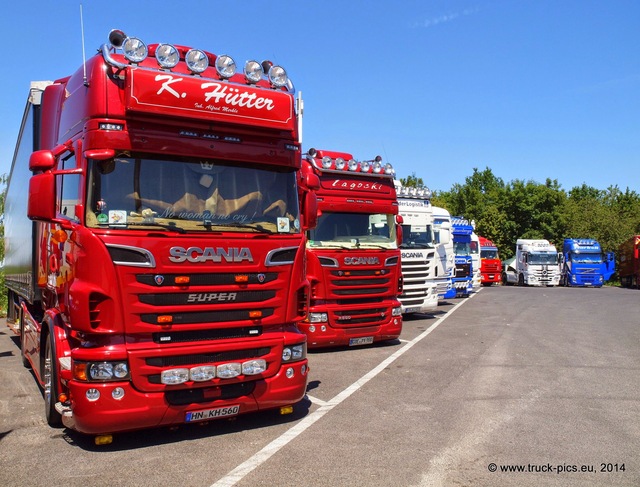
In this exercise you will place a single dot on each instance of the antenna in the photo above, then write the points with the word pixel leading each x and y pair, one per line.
pixel 84 57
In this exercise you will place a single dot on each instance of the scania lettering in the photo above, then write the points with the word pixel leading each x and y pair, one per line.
pixel 353 260
pixel 155 239
pixel 423 279
pixel 196 254
pixel 584 264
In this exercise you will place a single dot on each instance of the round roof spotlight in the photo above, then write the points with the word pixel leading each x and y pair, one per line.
pixel 225 66
pixel 340 163
pixel 388 168
pixel 312 152
pixel 117 37
pixel 365 166
pixel 377 167
pixel 420 192
pixel 353 165
pixel 427 193
pixel 278 76
pixel 197 61
pixel 327 162
pixel 167 56
pixel 413 191
pixel 253 71
pixel 134 50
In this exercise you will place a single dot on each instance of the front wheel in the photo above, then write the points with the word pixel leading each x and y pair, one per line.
pixel 50 379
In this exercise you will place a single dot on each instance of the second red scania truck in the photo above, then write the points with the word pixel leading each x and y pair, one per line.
pixel 353 258
pixel 159 276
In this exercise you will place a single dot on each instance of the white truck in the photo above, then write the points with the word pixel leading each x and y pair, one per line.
pixel 419 257
pixel 445 262
pixel 536 263
pixel 475 258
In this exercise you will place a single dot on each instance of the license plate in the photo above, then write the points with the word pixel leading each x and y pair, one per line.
pixel 215 413
pixel 354 342
pixel 411 310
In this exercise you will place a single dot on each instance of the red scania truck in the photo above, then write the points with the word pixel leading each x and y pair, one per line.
pixel 159 277
pixel 353 257
pixel 490 263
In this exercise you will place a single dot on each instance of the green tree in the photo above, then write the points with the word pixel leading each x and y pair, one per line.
pixel 412 181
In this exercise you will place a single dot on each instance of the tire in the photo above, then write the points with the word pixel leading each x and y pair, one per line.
pixel 50 387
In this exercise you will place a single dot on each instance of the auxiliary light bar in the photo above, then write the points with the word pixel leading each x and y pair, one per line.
pixel 422 192
pixel 168 56
pixel 339 164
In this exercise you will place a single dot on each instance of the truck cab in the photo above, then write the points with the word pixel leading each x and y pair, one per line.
pixel 584 264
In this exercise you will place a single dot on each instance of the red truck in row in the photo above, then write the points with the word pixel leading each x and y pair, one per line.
pixel 159 277
pixel 629 262
pixel 353 255
pixel 490 263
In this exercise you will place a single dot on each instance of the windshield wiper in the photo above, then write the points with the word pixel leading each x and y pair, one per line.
pixel 169 226
pixel 210 225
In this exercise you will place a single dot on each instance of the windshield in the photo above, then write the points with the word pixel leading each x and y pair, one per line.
pixel 191 195
pixel 586 258
pixel 543 258
pixel 462 248
pixel 488 254
pixel 354 230
pixel 417 236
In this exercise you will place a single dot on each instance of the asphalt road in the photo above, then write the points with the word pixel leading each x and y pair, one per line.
pixel 539 384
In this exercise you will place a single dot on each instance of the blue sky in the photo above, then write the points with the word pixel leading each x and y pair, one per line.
pixel 531 89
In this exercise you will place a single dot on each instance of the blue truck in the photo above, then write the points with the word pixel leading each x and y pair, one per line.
pixel 584 263
pixel 461 231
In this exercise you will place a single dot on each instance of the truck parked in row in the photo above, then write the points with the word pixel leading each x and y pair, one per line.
pixel 154 239
pixel 353 259
pixel 584 264
pixel 461 230
pixel 490 264
pixel 445 261
pixel 476 280
pixel 629 262
pixel 536 263
pixel 419 255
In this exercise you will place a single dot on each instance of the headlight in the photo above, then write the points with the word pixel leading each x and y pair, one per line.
pixel 396 312
pixel 294 353
pixel 230 370
pixel 101 371
pixel 254 367
pixel 167 56
pixel 318 318
pixel 174 376
pixel 197 61
pixel 134 50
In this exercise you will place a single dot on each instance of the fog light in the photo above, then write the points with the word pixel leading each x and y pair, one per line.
pixel 290 373
pixel 254 367
pixel 312 328
pixel 174 376
pixel 203 373
pixel 230 370
pixel 92 394
pixel 303 369
pixel 323 328
pixel 117 393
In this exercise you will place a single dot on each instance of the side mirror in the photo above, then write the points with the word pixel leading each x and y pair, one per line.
pixel 444 236
pixel 310 211
pixel 42 197
pixel 41 160
pixel 311 181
